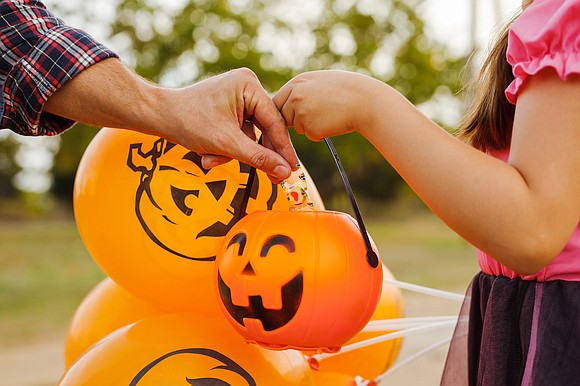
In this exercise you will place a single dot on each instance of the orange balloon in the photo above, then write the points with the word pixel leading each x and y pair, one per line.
pixel 297 279
pixel 323 378
pixel 153 219
pixel 371 361
pixel 184 349
pixel 106 308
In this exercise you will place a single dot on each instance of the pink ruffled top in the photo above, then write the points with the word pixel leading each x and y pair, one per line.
pixel 546 35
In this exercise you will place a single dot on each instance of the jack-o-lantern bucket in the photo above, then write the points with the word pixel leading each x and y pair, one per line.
pixel 297 279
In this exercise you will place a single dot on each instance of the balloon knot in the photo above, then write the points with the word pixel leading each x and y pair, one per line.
pixel 313 363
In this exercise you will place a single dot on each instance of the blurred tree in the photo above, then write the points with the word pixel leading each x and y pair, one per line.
pixel 178 42
pixel 72 146
pixel 281 39
pixel 8 167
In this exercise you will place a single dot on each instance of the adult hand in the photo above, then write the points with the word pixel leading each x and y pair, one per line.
pixel 218 118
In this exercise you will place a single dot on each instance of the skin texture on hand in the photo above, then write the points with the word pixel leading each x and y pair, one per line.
pixel 214 117
pixel 521 212
pixel 322 104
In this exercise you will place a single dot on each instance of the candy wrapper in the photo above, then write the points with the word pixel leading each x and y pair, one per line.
pixel 296 191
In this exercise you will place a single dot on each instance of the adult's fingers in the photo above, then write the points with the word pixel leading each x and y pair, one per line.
pixel 262 158
pixel 249 129
pixel 266 142
pixel 209 161
pixel 268 118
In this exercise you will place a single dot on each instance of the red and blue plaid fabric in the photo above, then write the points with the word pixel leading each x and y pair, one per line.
pixel 38 54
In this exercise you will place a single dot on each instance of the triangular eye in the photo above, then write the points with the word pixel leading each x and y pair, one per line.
pixel 217 188
pixel 249 270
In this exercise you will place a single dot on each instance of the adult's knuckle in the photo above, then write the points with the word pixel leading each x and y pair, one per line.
pixel 259 159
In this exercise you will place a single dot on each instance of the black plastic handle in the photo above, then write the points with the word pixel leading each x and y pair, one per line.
pixel 372 257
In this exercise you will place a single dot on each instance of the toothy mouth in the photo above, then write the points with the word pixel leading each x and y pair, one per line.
pixel 271 319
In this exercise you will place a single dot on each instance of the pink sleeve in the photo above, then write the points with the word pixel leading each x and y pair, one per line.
pixel 546 34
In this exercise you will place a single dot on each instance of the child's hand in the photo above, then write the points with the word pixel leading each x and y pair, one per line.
pixel 327 103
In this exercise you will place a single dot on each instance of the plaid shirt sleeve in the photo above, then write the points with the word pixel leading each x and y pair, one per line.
pixel 38 54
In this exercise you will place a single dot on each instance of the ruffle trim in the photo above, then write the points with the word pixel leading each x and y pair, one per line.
pixel 565 64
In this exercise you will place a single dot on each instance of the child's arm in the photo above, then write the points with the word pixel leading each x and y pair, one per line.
pixel 522 212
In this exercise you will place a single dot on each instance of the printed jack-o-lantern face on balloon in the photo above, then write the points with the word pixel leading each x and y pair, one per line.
pixel 184 349
pixel 153 219
pixel 297 279
pixel 212 368
pixel 175 193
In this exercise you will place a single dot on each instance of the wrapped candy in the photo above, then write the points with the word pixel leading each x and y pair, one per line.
pixel 296 190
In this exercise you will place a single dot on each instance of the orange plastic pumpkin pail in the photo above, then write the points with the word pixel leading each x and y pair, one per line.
pixel 297 279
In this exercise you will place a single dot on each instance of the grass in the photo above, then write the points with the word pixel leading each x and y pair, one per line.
pixel 421 249
pixel 46 270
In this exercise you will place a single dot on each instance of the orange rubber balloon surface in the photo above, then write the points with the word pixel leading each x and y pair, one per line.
pixel 153 219
pixel 297 279
pixel 184 349
pixel 105 309
pixel 332 379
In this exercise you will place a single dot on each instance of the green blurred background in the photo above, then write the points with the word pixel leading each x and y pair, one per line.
pixel 184 41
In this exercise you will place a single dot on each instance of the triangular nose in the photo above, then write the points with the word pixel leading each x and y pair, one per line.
pixel 249 270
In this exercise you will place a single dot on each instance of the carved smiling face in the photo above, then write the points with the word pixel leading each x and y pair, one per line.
pixel 296 279
pixel 258 301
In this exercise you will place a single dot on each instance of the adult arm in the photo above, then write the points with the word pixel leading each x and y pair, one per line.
pixel 207 117
pixel 38 54
pixel 53 75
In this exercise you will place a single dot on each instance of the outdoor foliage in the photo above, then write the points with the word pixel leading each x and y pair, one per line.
pixel 176 43
pixel 7 167
pixel 281 39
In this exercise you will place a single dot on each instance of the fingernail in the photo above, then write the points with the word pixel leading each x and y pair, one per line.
pixel 281 172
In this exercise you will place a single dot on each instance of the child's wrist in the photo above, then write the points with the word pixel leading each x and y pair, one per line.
pixel 375 101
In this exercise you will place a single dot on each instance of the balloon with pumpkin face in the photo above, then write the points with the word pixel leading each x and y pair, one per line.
pixel 297 279
pixel 184 349
pixel 153 218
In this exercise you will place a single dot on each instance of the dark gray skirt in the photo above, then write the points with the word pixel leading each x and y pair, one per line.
pixel 516 332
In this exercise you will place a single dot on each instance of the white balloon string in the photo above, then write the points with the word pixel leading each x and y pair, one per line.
pixel 402 323
pixel 411 358
pixel 425 290
pixel 386 337
pixel 360 381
